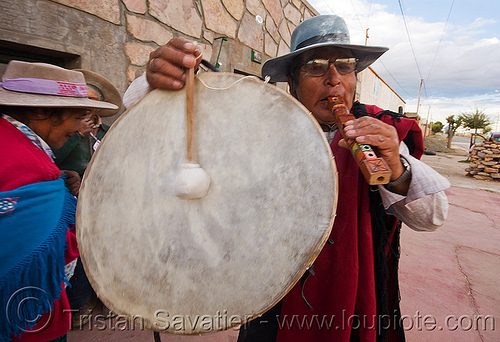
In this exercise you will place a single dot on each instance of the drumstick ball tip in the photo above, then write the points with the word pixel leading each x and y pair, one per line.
pixel 192 182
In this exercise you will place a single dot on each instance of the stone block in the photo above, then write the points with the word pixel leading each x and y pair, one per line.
pixel 178 14
pixel 292 14
pixel 495 175
pixel 147 30
pixel 480 177
pixel 297 3
pixel 307 14
pixel 218 19
pixel 133 72
pixel 272 29
pixel 270 47
pixel 256 8
pixel 489 163
pixel 138 54
pixel 206 50
pixel 283 48
pixel 490 170
pixel 285 32
pixel 483 178
pixel 104 9
pixel 235 8
pixel 481 154
pixel 136 6
pixel 251 33
pixel 209 35
pixel 274 8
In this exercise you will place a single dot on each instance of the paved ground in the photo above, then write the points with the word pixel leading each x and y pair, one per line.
pixel 449 278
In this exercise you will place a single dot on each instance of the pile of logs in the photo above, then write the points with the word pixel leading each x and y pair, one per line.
pixel 485 162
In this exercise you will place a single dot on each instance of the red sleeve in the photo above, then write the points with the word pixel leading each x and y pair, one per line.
pixel 72 251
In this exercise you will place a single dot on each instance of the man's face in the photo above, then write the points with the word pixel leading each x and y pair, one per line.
pixel 56 134
pixel 313 91
pixel 92 95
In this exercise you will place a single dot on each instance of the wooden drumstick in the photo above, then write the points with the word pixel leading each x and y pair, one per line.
pixel 192 181
pixel 374 169
pixel 190 113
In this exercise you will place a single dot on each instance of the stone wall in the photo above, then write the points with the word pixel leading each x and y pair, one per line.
pixel 93 42
pixel 114 38
pixel 485 162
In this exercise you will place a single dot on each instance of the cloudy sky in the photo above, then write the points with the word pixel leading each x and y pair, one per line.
pixel 453 45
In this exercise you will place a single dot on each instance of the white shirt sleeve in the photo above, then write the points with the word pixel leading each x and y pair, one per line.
pixel 136 91
pixel 425 207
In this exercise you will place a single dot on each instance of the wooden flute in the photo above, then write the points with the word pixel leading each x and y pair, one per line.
pixel 374 169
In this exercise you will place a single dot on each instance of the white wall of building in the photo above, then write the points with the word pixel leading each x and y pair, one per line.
pixel 371 89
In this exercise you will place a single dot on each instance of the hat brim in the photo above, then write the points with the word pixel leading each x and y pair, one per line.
pixel 19 99
pixel 278 68
pixel 109 91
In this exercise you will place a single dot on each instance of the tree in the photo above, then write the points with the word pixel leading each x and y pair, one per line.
pixel 475 120
pixel 453 125
pixel 437 127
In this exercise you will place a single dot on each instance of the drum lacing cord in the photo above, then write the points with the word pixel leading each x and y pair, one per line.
pixel 229 86
pixel 214 69
pixel 303 280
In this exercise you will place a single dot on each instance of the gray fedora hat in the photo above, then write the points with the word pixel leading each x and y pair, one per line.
pixel 45 85
pixel 320 31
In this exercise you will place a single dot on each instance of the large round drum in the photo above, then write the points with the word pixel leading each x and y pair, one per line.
pixel 194 266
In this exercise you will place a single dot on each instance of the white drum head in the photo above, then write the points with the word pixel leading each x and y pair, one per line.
pixel 195 266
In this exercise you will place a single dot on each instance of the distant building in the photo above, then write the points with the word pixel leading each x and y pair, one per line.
pixel 373 89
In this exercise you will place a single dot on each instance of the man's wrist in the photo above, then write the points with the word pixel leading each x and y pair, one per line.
pixel 405 176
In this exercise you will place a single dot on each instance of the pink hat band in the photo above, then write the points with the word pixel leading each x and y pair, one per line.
pixel 44 86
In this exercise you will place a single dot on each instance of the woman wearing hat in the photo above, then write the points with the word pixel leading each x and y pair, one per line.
pixel 75 155
pixel 352 295
pixel 41 106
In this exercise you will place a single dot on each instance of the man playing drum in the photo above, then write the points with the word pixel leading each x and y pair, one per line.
pixel 352 292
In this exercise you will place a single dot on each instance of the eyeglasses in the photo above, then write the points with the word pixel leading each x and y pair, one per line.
pixel 319 67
